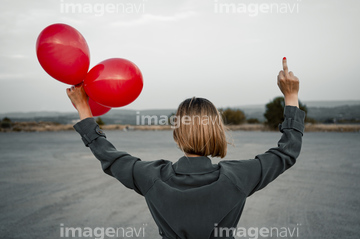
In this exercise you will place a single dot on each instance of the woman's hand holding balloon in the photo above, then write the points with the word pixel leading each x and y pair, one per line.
pixel 79 98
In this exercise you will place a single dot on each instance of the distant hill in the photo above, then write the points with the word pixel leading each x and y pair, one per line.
pixel 114 116
pixel 331 104
pixel 321 111
pixel 345 114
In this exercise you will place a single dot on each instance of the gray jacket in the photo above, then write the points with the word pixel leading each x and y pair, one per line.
pixel 194 198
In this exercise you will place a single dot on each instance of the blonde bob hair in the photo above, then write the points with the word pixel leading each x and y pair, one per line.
pixel 200 129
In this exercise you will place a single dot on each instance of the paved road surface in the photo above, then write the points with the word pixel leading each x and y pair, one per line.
pixel 49 181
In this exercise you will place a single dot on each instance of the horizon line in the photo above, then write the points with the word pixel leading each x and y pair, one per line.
pixel 121 108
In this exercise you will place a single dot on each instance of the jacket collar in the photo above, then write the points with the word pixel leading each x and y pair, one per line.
pixel 194 165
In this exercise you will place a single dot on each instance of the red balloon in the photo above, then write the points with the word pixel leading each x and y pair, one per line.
pixel 63 53
pixel 114 82
pixel 97 109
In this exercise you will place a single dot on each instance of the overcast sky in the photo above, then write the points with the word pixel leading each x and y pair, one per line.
pixel 186 48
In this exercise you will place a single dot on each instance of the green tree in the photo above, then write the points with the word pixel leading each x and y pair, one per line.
pixel 253 121
pixel 99 121
pixel 6 123
pixel 274 113
pixel 232 116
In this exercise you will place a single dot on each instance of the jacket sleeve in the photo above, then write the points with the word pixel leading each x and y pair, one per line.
pixel 276 160
pixel 115 163
pixel 268 166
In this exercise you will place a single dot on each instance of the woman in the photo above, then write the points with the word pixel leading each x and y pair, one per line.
pixel 194 198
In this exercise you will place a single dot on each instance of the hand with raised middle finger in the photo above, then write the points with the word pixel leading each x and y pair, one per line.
pixel 288 84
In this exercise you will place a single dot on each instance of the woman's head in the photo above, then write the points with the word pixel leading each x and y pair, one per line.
pixel 199 128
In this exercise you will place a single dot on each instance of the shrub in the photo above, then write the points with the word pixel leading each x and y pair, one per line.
pixel 99 121
pixel 6 123
pixel 253 121
pixel 232 116
pixel 274 113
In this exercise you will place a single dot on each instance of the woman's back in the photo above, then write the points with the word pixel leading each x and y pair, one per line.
pixel 193 198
